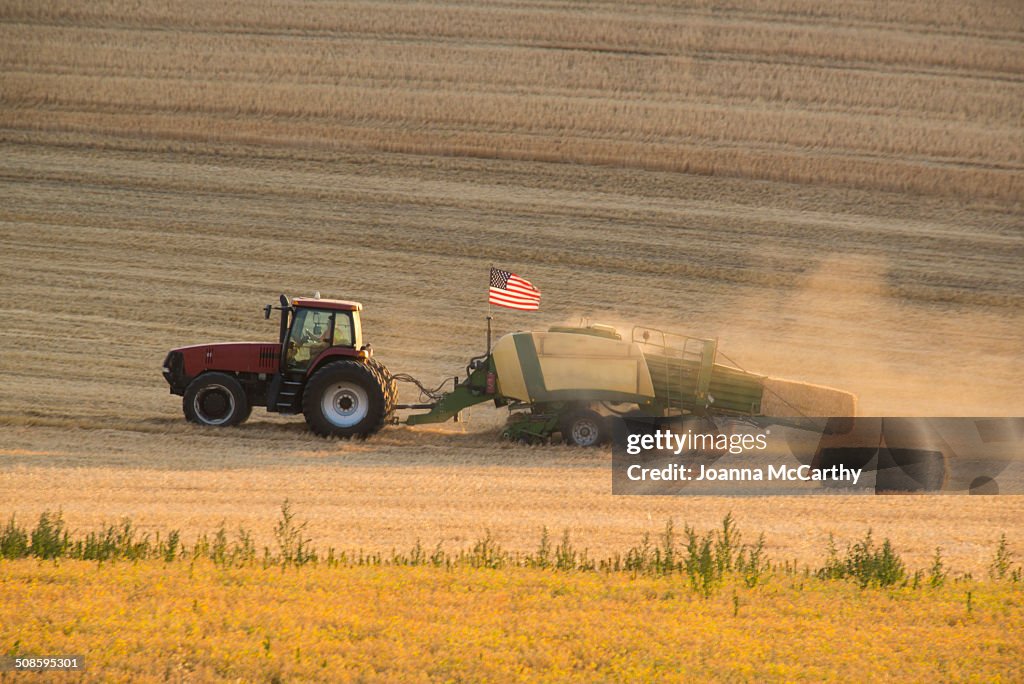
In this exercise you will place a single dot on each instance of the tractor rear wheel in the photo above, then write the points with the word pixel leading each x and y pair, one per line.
pixel 345 399
pixel 216 399
pixel 584 428
pixel 387 383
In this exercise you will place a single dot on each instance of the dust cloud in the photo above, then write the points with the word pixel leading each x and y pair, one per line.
pixel 844 327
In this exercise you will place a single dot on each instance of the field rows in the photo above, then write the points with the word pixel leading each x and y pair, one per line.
pixel 765 92
pixel 754 162
pixel 364 63
pixel 613 27
pixel 919 14
pixel 605 120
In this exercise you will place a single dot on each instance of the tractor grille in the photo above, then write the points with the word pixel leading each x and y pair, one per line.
pixel 268 358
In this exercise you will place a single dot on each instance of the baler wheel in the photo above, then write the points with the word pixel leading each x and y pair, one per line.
pixel 584 428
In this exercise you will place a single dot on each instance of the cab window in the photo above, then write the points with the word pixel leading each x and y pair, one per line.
pixel 310 335
pixel 343 330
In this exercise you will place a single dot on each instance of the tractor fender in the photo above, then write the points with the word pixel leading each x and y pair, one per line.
pixel 335 354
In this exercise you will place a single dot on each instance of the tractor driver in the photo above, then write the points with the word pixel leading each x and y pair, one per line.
pixel 309 337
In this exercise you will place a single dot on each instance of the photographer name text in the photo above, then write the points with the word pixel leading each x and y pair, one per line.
pixel 676 472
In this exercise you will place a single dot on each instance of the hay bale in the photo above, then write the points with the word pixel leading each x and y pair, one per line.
pixel 790 399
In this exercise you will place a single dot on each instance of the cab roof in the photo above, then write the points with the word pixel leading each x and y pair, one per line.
pixel 332 304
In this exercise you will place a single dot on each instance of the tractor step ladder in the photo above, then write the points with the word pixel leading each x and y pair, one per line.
pixel 288 396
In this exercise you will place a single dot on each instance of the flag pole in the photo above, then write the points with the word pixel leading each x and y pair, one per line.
pixel 491 270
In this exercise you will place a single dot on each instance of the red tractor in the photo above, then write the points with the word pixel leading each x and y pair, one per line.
pixel 319 367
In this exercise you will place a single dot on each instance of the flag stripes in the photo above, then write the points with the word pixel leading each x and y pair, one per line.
pixel 509 290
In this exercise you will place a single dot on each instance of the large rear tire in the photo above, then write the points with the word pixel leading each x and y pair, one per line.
pixel 215 400
pixel 345 399
pixel 387 383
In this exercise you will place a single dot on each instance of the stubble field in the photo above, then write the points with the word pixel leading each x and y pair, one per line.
pixel 834 191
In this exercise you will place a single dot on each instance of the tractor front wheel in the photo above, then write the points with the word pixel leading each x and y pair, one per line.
pixel 345 399
pixel 216 399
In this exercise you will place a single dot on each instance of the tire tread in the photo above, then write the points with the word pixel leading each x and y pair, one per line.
pixel 351 370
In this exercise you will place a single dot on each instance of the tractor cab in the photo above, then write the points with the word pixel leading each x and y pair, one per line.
pixel 314 326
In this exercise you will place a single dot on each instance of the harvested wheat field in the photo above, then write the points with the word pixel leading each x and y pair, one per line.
pixel 833 190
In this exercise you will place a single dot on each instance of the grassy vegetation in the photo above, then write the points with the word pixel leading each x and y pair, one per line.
pixel 706 561
pixel 142 608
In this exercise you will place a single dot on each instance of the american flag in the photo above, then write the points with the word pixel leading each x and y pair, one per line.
pixel 509 290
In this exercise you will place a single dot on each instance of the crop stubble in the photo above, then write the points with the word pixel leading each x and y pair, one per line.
pixel 834 191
